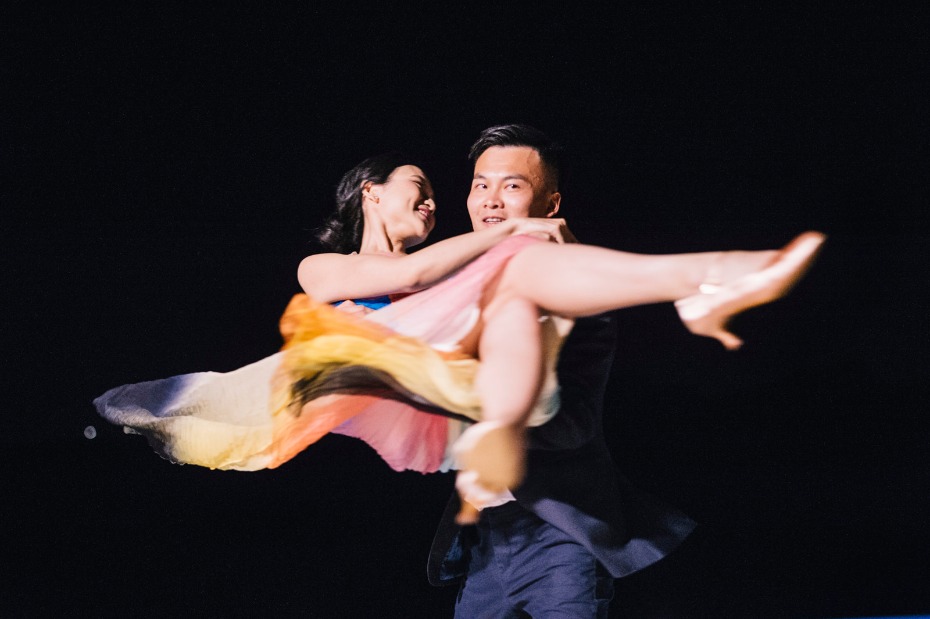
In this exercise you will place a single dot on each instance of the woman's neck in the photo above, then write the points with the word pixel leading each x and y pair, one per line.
pixel 376 240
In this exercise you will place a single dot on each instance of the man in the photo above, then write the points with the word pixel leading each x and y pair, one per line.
pixel 552 547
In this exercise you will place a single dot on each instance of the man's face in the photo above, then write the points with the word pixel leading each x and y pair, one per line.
pixel 510 181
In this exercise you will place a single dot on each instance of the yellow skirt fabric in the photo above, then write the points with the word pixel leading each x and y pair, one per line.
pixel 397 378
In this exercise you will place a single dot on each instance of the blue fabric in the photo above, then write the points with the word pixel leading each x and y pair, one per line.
pixel 522 566
pixel 374 303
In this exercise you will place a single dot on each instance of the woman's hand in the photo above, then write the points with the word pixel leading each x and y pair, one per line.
pixel 546 228
pixel 351 308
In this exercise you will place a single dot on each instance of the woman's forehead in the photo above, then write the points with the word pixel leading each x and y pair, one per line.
pixel 409 170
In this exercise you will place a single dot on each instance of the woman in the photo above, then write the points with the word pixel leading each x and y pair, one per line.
pixel 477 342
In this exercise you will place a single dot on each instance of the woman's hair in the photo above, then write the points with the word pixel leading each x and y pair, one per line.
pixel 342 231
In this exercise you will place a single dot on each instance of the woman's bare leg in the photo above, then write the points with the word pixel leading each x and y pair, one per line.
pixel 511 369
pixel 509 380
pixel 583 280
pixel 575 281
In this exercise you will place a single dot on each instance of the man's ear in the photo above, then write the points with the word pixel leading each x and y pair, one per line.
pixel 555 199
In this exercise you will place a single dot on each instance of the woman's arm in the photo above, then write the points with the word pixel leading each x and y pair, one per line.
pixel 334 277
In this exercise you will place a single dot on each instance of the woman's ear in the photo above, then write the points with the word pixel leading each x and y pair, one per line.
pixel 367 193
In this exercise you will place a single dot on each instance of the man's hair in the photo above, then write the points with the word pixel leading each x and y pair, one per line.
pixel 521 135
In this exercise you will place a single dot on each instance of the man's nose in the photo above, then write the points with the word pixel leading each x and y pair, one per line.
pixel 492 200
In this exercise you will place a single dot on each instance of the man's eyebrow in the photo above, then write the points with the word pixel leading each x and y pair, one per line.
pixel 519 177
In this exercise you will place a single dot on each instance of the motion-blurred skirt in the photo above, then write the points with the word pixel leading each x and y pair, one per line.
pixel 396 378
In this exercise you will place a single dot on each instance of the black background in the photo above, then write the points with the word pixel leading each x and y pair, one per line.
pixel 162 171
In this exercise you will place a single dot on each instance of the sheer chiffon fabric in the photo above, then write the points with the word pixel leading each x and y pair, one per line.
pixel 401 379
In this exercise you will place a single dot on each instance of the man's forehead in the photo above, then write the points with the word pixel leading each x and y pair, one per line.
pixel 512 154
pixel 509 161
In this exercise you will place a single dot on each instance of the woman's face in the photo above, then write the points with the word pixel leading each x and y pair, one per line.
pixel 406 205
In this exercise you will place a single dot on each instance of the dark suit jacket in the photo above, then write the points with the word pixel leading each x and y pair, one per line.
pixel 571 480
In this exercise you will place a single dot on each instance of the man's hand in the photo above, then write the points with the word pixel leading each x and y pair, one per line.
pixel 546 228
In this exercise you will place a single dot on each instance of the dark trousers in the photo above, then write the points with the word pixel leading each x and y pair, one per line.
pixel 521 566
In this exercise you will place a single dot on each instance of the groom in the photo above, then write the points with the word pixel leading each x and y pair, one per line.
pixel 553 546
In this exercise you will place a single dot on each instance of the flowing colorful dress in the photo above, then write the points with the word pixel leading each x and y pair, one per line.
pixel 397 378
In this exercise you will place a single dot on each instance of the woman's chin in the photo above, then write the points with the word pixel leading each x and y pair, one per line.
pixel 417 239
